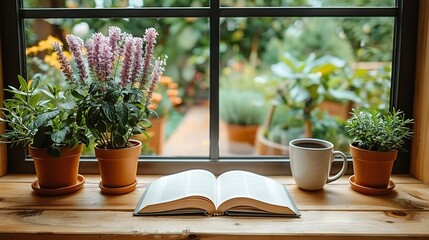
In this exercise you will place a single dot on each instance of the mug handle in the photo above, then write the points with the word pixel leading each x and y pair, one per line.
pixel 343 169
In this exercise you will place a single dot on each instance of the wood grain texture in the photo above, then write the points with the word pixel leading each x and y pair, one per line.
pixel 420 152
pixel 19 195
pixel 336 212
pixel 337 224
pixel 29 236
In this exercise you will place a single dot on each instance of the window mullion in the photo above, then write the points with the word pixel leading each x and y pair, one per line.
pixel 214 79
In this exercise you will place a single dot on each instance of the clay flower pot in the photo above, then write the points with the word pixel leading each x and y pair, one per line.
pixel 371 168
pixel 241 138
pixel 242 133
pixel 267 147
pixel 118 167
pixel 56 172
pixel 156 132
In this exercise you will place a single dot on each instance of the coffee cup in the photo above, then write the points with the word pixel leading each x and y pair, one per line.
pixel 311 160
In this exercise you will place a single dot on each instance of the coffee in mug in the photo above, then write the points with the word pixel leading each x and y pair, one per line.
pixel 311 160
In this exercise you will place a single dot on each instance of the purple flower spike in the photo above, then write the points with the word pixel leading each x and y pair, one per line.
pixel 98 39
pixel 105 58
pixel 114 41
pixel 137 59
pixel 127 62
pixel 158 70
pixel 100 56
pixel 150 40
pixel 65 66
pixel 91 56
pixel 114 37
pixel 76 45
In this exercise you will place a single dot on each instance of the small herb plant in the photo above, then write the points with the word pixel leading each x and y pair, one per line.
pixel 45 118
pixel 374 131
pixel 117 75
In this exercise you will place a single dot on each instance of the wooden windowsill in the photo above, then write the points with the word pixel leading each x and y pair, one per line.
pixel 337 212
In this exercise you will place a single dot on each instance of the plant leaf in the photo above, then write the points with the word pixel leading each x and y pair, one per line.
pixel 77 95
pixel 39 138
pixel 35 84
pixel 23 83
pixel 119 140
pixel 108 111
pixel 45 117
pixel 146 123
pixel 34 100
pixel 48 93
pixel 68 105
pixel 122 113
pixel 60 136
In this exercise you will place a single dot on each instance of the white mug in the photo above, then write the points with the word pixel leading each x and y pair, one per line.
pixel 311 160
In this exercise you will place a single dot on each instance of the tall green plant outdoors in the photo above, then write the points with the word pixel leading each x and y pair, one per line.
pixel 305 84
pixel 45 118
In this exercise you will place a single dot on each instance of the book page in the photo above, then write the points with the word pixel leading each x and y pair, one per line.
pixel 241 184
pixel 180 185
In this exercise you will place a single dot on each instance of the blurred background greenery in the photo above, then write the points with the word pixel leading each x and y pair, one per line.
pixel 299 70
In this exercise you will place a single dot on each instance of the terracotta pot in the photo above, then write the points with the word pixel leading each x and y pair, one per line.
pixel 242 133
pixel 56 172
pixel 371 168
pixel 118 167
pixel 241 138
pixel 156 132
pixel 267 147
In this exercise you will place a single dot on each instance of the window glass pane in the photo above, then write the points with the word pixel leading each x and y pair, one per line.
pixel 297 77
pixel 113 3
pixel 307 3
pixel 182 94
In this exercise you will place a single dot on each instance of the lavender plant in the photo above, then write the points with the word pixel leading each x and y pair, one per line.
pixel 115 83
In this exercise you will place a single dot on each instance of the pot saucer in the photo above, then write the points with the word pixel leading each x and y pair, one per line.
pixel 118 190
pixel 369 190
pixel 58 191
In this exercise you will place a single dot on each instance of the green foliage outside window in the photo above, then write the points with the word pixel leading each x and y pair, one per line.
pixel 255 43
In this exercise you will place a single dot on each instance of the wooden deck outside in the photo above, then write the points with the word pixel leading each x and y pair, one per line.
pixel 191 138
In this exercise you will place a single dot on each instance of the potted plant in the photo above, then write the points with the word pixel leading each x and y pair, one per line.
pixel 301 86
pixel 243 111
pixel 242 104
pixel 44 120
pixel 281 125
pixel 306 84
pixel 114 95
pixel 376 139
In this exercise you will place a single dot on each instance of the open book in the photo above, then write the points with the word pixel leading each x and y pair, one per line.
pixel 232 193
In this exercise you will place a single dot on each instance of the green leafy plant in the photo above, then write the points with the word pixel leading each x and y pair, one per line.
pixel 372 86
pixel 372 130
pixel 45 118
pixel 111 114
pixel 305 84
